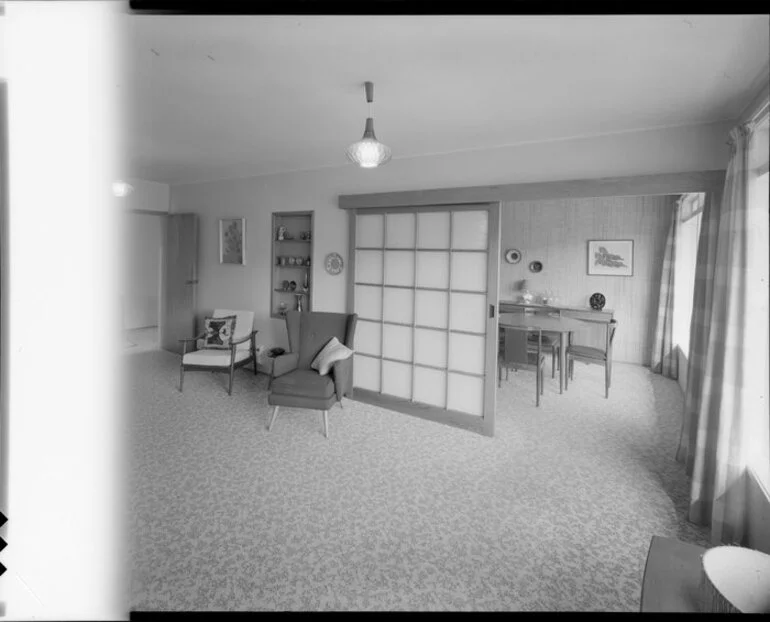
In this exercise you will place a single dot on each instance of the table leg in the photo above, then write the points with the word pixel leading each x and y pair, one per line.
pixel 562 359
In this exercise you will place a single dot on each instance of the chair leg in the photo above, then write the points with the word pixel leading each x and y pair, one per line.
pixel 606 380
pixel 566 376
pixel 230 386
pixel 254 359
pixel 553 362
pixel 181 378
pixel 272 419
pixel 326 423
pixel 537 386
pixel 542 383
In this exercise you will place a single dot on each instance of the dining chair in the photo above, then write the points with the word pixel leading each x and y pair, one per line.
pixel 515 353
pixel 547 339
pixel 591 355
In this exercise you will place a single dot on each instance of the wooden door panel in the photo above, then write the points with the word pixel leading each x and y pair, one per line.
pixel 181 279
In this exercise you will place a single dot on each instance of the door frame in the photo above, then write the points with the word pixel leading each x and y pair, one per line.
pixel 161 262
pixel 485 424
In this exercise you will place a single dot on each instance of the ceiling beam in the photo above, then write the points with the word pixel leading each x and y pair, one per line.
pixel 642 185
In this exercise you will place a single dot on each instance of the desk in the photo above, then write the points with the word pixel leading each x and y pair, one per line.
pixel 551 323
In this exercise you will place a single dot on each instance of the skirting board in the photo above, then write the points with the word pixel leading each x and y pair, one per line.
pixel 448 417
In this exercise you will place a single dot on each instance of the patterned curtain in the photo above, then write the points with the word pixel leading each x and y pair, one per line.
pixel 664 357
pixel 723 399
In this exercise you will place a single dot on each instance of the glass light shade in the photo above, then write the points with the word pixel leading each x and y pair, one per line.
pixel 368 152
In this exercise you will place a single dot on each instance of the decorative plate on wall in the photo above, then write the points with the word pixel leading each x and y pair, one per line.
pixel 333 263
pixel 513 255
pixel 535 266
pixel 597 301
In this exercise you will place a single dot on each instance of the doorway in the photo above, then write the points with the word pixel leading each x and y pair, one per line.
pixel 142 282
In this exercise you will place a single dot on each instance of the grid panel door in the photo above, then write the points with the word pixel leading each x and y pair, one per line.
pixel 421 291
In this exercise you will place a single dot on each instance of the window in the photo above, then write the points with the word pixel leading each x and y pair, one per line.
pixel 758 274
pixel 684 267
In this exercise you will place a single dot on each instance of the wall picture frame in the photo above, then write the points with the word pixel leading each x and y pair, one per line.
pixel 611 257
pixel 232 241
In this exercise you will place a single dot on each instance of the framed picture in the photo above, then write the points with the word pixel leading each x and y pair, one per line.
pixel 611 257
pixel 232 240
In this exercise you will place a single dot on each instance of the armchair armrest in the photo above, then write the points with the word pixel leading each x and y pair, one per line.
pixel 342 371
pixel 285 363
pixel 251 335
pixel 201 336
pixel 184 342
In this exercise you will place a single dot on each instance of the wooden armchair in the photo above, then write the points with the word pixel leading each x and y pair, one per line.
pixel 242 350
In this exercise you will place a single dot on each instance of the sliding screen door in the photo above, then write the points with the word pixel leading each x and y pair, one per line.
pixel 425 289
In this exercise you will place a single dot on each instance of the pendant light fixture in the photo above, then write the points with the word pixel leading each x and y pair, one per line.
pixel 368 152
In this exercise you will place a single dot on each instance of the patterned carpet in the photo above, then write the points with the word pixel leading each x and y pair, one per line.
pixel 394 512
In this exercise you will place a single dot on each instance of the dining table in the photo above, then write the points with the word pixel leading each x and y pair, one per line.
pixel 547 322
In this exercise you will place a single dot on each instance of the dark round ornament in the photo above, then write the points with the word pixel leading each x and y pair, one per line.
pixel 597 301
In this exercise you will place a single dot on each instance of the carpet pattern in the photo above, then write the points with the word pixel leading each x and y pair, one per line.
pixel 555 513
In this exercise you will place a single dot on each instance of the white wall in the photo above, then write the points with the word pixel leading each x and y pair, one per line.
pixel 148 195
pixel 669 150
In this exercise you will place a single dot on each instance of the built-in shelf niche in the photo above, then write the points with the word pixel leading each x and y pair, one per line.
pixel 292 249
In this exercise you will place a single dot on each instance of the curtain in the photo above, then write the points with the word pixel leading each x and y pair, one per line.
pixel 664 357
pixel 723 399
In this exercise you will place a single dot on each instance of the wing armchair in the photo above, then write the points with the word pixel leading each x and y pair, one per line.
pixel 294 383
pixel 242 349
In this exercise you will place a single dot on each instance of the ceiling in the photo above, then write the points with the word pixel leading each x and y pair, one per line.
pixel 215 97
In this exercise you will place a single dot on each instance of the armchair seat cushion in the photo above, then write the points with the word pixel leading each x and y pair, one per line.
pixel 214 358
pixel 304 383
pixel 587 352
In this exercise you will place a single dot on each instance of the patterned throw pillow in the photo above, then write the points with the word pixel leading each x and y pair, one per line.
pixel 332 352
pixel 219 332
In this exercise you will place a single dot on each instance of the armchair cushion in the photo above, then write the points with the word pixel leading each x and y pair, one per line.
pixel 342 372
pixel 218 332
pixel 315 330
pixel 211 357
pixel 332 352
pixel 304 383
pixel 244 324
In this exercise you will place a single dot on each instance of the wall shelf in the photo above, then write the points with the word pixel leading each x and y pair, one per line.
pixel 295 223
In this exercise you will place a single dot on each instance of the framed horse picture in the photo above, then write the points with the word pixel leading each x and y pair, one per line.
pixel 611 257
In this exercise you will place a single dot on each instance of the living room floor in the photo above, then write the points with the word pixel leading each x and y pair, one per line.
pixel 392 512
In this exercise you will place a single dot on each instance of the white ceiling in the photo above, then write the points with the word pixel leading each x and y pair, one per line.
pixel 239 96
